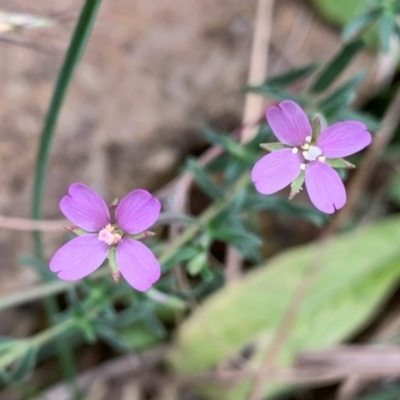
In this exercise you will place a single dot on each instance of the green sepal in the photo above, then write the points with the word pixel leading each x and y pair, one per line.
pixel 272 146
pixel 297 185
pixel 316 128
pixel 340 163
pixel 76 231
pixel 112 260
pixel 138 236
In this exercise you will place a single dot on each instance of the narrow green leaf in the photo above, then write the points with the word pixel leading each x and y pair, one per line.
pixel 233 169
pixel 337 65
pixel 139 337
pixel 112 337
pixel 279 205
pixel 203 180
pixel 237 235
pixel 291 76
pixel 230 145
pixel 7 343
pixel 165 299
pixel 184 254
pixel 357 272
pixel 360 22
pixel 23 367
pixel 386 29
pixel 340 97
pixel 276 92
pixel 76 48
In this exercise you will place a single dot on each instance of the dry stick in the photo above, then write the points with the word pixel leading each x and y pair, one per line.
pixel 26 224
pixel 254 103
pixel 382 138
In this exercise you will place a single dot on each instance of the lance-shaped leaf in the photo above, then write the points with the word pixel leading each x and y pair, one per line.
pixel 361 22
pixel 203 180
pixel 294 75
pixel 337 66
pixel 343 95
pixel 22 367
pixel 386 30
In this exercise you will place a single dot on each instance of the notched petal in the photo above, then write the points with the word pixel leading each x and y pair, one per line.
pixel 289 123
pixel 137 264
pixel 79 257
pixel 85 208
pixel 325 188
pixel 343 139
pixel 137 211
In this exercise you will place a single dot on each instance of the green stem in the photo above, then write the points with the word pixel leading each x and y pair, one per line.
pixel 75 50
pixel 39 340
pixel 210 213
pixel 72 58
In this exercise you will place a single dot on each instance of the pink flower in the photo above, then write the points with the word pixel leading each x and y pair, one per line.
pixel 301 150
pixel 100 238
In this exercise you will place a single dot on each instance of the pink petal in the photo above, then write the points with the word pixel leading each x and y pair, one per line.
pixel 137 264
pixel 276 170
pixel 137 211
pixel 343 138
pixel 85 208
pixel 325 188
pixel 79 257
pixel 289 123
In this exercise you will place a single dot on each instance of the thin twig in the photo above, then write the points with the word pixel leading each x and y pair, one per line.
pixel 254 103
pixel 26 224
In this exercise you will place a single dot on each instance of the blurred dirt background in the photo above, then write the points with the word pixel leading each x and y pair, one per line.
pixel 154 74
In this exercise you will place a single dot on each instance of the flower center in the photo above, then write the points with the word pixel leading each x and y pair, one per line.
pixel 312 153
pixel 106 235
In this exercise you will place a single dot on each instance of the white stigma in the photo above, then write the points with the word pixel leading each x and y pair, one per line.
pixel 312 153
pixel 308 139
pixel 295 150
pixel 303 166
pixel 106 236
